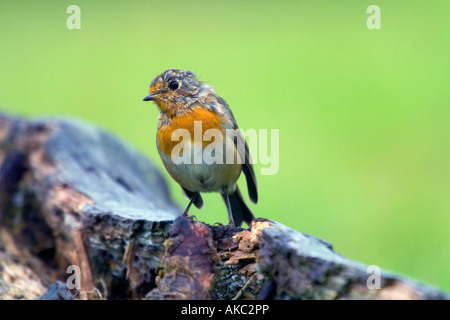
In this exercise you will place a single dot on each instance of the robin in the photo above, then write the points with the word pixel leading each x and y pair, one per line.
pixel 183 102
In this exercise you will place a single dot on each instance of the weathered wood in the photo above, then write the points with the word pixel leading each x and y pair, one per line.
pixel 57 291
pixel 72 194
pixel 188 263
pixel 304 267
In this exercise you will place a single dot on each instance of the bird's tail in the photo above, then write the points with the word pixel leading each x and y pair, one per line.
pixel 239 209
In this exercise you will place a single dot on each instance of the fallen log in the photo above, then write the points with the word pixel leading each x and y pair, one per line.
pixel 72 194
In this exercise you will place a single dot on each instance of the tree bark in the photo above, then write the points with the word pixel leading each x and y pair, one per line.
pixel 72 194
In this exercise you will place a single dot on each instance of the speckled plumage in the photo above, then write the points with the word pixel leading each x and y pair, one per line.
pixel 182 99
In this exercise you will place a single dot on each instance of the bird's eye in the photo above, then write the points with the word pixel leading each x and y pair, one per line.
pixel 173 85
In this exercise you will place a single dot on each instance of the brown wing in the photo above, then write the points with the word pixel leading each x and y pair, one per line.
pixel 247 166
pixel 244 152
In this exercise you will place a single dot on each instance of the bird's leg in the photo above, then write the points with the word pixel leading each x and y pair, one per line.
pixel 230 213
pixel 185 213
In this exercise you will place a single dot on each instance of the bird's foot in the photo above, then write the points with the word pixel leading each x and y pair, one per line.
pixel 188 217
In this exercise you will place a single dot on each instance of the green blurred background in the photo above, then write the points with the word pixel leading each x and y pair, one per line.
pixel 363 114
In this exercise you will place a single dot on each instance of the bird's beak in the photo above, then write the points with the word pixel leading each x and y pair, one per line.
pixel 149 97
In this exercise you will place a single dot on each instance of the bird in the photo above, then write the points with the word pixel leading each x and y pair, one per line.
pixel 184 102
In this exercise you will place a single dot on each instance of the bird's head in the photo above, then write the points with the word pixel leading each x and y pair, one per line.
pixel 174 90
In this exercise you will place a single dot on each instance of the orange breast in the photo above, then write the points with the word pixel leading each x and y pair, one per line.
pixel 209 119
